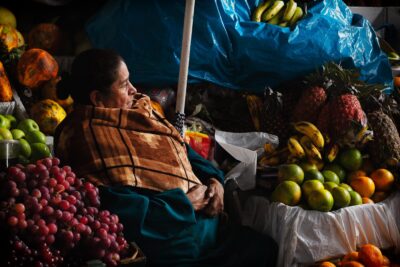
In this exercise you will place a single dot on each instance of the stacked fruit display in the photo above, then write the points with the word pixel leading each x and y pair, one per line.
pixel 33 71
pixel 367 255
pixel 50 217
pixel 32 140
pixel 350 179
pixel 278 12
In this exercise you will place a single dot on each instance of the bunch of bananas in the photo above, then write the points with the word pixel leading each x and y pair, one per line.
pixel 308 144
pixel 278 12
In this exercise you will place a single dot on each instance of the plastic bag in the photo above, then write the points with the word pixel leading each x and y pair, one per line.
pixel 229 49
pixel 245 148
pixel 309 236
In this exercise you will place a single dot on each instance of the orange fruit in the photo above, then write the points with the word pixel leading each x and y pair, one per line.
pixel 287 192
pixel 396 81
pixel 336 168
pixel 383 179
pixel 291 172
pixel 367 200
pixel 352 256
pixel 326 264
pixel 350 159
pixel 364 185
pixel 313 174
pixel 321 200
pixel 341 197
pixel 370 255
pixel 367 165
pixel 379 196
pixel 310 185
pixel 356 199
pixel 352 264
pixel 355 174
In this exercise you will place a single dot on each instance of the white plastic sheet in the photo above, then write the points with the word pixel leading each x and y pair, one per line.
pixel 244 147
pixel 306 236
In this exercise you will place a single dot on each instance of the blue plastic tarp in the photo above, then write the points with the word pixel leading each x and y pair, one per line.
pixel 229 49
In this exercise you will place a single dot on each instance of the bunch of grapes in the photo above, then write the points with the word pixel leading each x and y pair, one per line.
pixel 49 217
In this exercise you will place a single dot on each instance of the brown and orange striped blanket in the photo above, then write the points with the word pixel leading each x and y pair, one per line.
pixel 136 147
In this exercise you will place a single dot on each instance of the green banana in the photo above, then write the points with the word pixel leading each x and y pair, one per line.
pixel 311 150
pixel 295 148
pixel 277 18
pixel 289 10
pixel 260 9
pixel 272 11
pixel 310 130
pixel 298 14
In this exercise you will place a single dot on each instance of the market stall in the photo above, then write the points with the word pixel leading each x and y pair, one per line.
pixel 272 89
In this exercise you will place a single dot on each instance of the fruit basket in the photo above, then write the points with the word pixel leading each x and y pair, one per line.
pixel 310 236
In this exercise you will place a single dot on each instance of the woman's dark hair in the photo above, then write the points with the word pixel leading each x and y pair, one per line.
pixel 93 69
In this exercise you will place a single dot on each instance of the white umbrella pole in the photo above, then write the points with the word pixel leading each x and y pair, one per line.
pixel 185 54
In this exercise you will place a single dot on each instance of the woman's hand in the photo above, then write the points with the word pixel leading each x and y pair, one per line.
pixel 215 192
pixel 197 197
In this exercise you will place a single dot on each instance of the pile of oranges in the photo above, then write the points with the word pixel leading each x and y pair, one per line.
pixel 368 255
pixel 372 188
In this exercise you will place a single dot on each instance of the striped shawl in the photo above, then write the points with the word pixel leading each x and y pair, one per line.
pixel 136 147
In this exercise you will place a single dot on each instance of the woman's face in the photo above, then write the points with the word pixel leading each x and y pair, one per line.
pixel 122 91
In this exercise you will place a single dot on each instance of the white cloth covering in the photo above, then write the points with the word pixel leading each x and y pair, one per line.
pixel 306 236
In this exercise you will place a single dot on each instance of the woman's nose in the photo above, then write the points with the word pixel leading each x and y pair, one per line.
pixel 132 89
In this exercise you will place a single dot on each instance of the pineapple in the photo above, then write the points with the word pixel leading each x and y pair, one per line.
pixel 342 117
pixel 308 107
pixel 345 112
pixel 274 120
pixel 385 147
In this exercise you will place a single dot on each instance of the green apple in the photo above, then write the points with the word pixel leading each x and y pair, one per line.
pixel 17 134
pixel 5 134
pixel 35 137
pixel 39 151
pixel 28 125
pixel 25 148
pixel 12 120
pixel 4 122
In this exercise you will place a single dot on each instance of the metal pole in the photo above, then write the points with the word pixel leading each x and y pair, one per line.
pixel 185 54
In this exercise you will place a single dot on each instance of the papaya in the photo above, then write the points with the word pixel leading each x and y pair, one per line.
pixel 6 94
pixel 48 114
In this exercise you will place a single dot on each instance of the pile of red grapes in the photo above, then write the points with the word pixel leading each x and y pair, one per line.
pixel 49 217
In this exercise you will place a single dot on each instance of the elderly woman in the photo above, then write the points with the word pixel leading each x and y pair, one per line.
pixel 168 198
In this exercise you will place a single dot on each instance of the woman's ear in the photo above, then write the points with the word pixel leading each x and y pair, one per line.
pixel 96 98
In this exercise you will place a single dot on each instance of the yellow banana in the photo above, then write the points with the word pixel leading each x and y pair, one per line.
pixel 319 163
pixel 289 10
pixel 310 149
pixel 269 161
pixel 310 130
pixel 260 9
pixel 283 24
pixel 272 11
pixel 277 18
pixel 298 14
pixel 269 149
pixel 254 103
pixel 331 151
pixel 295 148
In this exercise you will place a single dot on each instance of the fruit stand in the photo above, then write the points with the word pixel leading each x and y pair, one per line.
pixel 313 236
pixel 328 187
